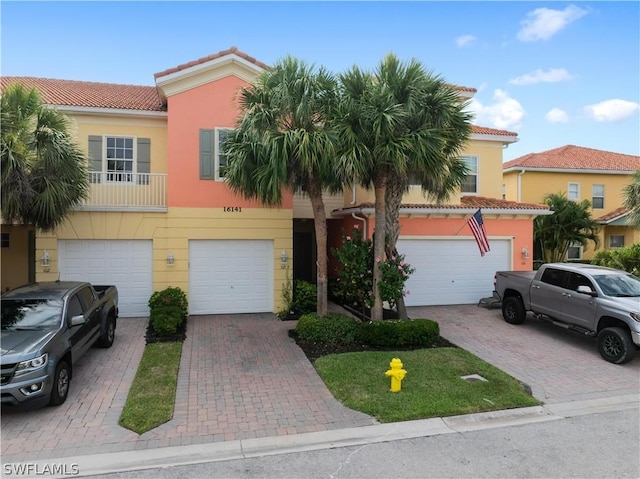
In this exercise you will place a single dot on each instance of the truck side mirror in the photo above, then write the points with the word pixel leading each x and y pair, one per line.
pixel 585 290
pixel 77 320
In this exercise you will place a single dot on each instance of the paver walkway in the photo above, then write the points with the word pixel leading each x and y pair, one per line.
pixel 241 377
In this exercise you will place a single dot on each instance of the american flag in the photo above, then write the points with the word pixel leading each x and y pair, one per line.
pixel 480 234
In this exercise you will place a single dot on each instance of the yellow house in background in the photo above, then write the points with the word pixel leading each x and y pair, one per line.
pixel 581 174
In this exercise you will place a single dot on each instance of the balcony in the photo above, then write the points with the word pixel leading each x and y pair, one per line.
pixel 126 192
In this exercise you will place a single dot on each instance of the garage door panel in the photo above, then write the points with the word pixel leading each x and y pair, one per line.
pixel 230 276
pixel 452 271
pixel 124 263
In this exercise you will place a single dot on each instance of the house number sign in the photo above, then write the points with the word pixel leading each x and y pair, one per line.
pixel 232 209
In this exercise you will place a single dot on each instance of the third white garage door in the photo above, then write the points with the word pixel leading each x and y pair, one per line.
pixel 451 271
pixel 230 276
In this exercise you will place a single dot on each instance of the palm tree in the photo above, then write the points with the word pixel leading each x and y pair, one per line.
pixel 281 140
pixel 398 123
pixel 43 171
pixel 570 224
pixel 632 200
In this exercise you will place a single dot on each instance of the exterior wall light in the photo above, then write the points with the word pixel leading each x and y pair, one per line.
pixel 45 261
pixel 525 253
pixel 284 258
pixel 171 260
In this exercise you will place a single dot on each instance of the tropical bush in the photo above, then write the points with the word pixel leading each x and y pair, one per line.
pixel 334 328
pixel 305 297
pixel 168 309
pixel 407 333
pixel 626 258
pixel 170 296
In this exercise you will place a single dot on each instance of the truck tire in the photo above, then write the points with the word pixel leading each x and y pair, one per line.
pixel 61 380
pixel 106 340
pixel 615 345
pixel 513 310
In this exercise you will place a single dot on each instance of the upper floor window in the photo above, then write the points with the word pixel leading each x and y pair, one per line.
pixel 597 196
pixel 213 160
pixel 470 184
pixel 574 251
pixel 119 158
pixel 573 191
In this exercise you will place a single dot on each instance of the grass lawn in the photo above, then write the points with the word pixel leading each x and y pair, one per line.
pixel 152 395
pixel 431 388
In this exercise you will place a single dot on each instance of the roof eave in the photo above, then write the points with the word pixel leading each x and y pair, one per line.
pixel 519 169
pixel 462 211
pixel 97 111
pixel 505 139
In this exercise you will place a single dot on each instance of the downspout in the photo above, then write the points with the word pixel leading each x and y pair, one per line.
pixel 522 172
pixel 364 225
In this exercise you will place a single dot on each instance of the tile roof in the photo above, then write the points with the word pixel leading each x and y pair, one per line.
pixel 578 158
pixel 220 54
pixel 466 202
pixel 483 130
pixel 612 215
pixel 91 94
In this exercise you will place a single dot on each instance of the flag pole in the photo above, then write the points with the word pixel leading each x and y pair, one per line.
pixel 465 224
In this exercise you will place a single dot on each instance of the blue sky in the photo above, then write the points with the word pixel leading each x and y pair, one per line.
pixel 556 73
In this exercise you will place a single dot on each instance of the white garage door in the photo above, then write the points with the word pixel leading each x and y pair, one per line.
pixel 230 276
pixel 452 271
pixel 126 263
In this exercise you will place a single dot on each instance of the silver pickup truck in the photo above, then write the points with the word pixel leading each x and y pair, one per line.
pixel 593 300
pixel 46 328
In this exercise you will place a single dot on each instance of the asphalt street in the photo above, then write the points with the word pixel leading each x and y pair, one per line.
pixel 602 445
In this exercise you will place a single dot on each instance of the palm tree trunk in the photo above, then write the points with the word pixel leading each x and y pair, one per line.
pixel 378 243
pixel 394 193
pixel 320 224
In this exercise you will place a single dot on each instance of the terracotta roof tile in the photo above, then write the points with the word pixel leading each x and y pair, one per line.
pixel 466 202
pixel 220 54
pixel 612 215
pixel 91 94
pixel 483 130
pixel 578 158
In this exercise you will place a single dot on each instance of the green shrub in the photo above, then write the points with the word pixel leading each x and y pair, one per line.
pixel 334 328
pixel 165 320
pixel 305 297
pixel 407 333
pixel 626 258
pixel 170 297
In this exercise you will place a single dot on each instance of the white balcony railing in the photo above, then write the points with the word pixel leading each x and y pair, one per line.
pixel 126 192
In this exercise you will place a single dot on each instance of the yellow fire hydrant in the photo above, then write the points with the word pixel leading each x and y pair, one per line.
pixel 396 373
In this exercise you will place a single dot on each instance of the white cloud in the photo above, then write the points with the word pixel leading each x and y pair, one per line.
pixel 611 110
pixel 465 40
pixel 556 115
pixel 543 23
pixel 552 75
pixel 504 113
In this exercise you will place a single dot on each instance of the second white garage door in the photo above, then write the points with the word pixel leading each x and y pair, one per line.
pixel 126 263
pixel 230 276
pixel 452 271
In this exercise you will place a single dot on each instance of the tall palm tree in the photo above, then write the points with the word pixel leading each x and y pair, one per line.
pixel 43 171
pixel 570 224
pixel 632 199
pixel 397 123
pixel 281 140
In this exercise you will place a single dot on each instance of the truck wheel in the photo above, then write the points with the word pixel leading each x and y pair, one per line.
pixel 60 387
pixel 513 310
pixel 615 345
pixel 106 340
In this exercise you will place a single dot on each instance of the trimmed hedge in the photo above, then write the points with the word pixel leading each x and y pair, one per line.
pixel 336 328
pixel 168 309
pixel 407 333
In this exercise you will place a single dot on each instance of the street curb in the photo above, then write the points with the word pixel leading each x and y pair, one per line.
pixel 96 464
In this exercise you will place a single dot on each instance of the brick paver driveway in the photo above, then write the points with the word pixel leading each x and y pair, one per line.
pixel 557 364
pixel 241 377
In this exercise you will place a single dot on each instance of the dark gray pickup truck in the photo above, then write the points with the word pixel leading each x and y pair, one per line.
pixel 46 328
pixel 592 300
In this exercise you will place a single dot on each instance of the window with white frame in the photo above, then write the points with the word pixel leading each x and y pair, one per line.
pixel 574 251
pixel 573 191
pixel 221 157
pixel 470 184
pixel 616 241
pixel 597 197
pixel 119 158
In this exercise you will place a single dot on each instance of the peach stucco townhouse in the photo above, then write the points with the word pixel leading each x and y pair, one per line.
pixel 581 174
pixel 160 213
